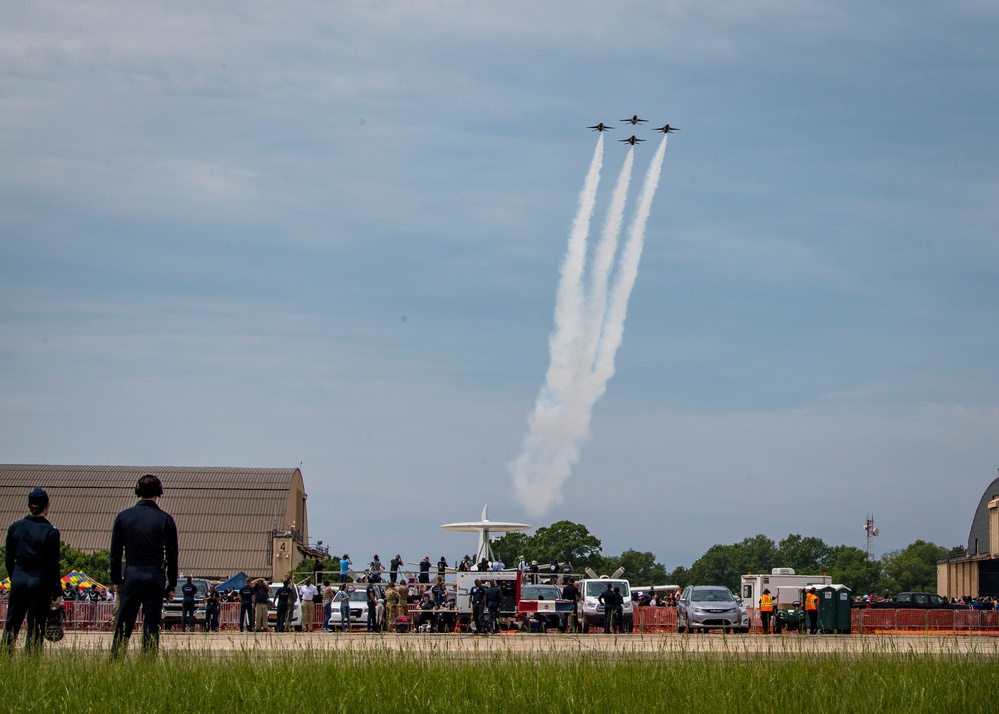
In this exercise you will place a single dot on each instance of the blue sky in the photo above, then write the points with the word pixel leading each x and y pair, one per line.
pixel 331 233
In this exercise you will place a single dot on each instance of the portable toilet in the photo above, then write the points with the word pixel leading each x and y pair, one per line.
pixel 834 608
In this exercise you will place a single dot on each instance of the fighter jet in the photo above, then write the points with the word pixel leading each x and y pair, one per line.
pixel 634 120
pixel 600 127
pixel 667 129
pixel 631 140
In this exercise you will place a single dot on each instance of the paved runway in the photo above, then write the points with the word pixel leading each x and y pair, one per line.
pixel 535 645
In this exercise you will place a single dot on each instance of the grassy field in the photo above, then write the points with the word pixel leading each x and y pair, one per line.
pixel 261 681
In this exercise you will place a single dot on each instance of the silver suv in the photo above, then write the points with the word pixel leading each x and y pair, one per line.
pixel 710 607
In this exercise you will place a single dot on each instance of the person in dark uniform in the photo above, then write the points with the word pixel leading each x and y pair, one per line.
pixel 372 593
pixel 571 592
pixel 212 600
pixel 246 606
pixel 618 611
pixel 425 570
pixel 188 590
pixel 609 600
pixel 477 596
pixel 147 536
pixel 281 598
pixel 394 565
pixel 32 559
pixel 494 599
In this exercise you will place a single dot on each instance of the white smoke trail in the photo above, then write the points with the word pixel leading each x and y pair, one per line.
pixel 569 298
pixel 617 309
pixel 550 446
pixel 603 260
pixel 588 331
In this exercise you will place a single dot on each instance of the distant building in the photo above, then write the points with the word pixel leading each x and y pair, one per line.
pixel 228 519
pixel 976 573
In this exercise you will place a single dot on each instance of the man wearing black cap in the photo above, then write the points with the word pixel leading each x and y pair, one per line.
pixel 32 559
pixel 148 537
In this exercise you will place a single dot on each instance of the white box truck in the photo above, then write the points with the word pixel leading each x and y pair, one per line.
pixel 784 584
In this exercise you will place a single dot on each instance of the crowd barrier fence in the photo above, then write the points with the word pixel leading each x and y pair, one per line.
pixel 99 616
pixel 863 620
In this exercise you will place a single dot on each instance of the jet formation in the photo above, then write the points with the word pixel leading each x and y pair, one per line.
pixel 634 121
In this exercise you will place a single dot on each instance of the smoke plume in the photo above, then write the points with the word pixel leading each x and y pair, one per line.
pixel 588 329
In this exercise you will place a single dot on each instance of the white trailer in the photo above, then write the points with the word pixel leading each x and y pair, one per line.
pixel 784 584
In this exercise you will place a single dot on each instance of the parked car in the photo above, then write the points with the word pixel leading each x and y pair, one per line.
pixel 589 610
pixel 917 601
pixel 173 610
pixel 710 607
pixel 358 607
pixel 544 604
pixel 294 619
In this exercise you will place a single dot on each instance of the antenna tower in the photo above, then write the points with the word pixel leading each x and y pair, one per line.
pixel 871 531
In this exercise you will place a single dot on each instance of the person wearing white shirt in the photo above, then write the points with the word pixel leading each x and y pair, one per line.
pixel 307 593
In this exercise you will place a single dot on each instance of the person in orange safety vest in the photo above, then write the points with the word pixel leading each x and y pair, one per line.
pixel 812 611
pixel 766 610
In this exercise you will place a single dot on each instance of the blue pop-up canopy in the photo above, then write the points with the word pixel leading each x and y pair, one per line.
pixel 235 582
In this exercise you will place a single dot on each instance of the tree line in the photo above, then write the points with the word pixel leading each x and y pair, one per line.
pixel 911 568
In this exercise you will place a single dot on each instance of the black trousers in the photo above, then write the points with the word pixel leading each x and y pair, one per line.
pixel 143 587
pixel 212 618
pixel 29 595
pixel 246 613
pixel 187 614
pixel 494 615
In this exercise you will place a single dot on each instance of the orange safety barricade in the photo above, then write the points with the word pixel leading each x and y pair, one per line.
pixel 654 619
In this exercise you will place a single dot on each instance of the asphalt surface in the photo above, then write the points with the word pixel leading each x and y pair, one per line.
pixel 536 645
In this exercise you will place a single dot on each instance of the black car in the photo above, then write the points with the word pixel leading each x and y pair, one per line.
pixel 915 601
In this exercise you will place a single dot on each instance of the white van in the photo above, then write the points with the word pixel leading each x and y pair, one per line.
pixel 589 609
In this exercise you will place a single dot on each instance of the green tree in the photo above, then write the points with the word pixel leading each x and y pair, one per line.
pixel 808 556
pixel 681 576
pixel 913 567
pixel 564 541
pixel 640 568
pixel 96 565
pixel 510 547
pixel 720 565
pixel 850 566
pixel 726 564
pixel 308 567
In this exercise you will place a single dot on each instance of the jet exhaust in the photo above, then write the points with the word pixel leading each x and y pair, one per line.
pixel 588 330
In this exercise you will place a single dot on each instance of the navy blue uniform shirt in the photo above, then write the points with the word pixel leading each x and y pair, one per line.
pixel 33 547
pixel 147 535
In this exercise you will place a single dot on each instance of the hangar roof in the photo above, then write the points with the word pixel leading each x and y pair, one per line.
pixel 978 538
pixel 225 516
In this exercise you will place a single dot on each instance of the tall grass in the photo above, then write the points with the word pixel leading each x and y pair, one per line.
pixel 439 681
